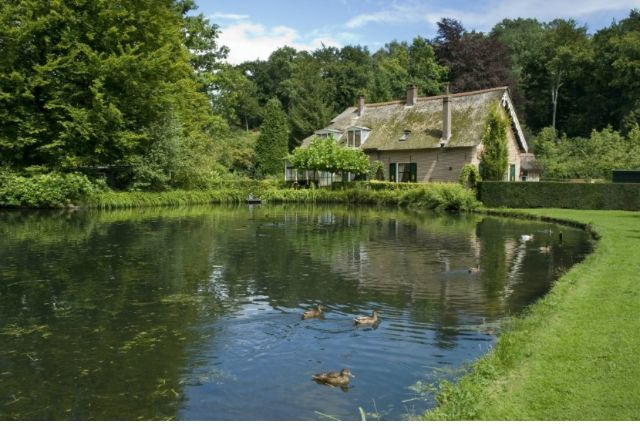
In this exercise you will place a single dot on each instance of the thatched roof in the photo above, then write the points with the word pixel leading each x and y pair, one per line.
pixel 528 162
pixel 389 121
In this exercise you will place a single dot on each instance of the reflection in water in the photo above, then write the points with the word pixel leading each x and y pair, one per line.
pixel 196 313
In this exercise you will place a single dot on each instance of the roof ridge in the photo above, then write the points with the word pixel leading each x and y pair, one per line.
pixel 430 98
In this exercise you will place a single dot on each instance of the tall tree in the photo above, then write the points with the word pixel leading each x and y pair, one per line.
pixel 615 82
pixel 311 101
pixel 475 61
pixel 271 147
pixel 494 158
pixel 423 68
pixel 90 83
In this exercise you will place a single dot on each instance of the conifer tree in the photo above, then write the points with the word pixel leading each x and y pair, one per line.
pixel 494 158
pixel 271 147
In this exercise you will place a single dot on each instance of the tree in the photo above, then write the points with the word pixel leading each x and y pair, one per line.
pixel 310 107
pixel 423 67
pixel 271 147
pixel 562 60
pixel 522 37
pixel 494 157
pixel 567 51
pixel 88 83
pixel 474 61
pixel 234 97
pixel 326 155
pixel 615 82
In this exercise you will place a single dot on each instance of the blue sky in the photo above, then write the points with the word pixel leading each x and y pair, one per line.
pixel 255 28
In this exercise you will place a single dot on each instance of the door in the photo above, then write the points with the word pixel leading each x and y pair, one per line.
pixel 512 172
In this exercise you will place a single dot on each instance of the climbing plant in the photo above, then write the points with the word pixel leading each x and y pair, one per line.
pixel 494 158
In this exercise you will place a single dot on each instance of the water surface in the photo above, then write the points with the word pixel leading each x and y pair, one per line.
pixel 194 314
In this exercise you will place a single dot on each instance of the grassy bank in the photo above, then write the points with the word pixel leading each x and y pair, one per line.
pixel 575 354
pixel 433 196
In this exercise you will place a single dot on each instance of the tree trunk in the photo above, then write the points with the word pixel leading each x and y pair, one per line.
pixel 554 101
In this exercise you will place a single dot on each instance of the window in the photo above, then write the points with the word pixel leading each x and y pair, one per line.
pixel 403 172
pixel 354 138
pixel 525 175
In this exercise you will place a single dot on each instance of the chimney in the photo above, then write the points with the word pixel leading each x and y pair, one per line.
pixel 446 114
pixel 412 95
pixel 360 105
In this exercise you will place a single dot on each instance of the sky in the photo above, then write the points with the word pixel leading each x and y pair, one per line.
pixel 252 29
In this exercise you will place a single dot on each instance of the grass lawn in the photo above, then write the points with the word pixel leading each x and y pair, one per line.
pixel 576 354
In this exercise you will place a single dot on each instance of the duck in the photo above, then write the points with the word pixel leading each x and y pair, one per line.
pixel 333 378
pixel 545 249
pixel 474 269
pixel 313 313
pixel 526 237
pixel 365 320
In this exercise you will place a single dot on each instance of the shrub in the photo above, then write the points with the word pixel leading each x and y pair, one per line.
pixel 45 190
pixel 470 176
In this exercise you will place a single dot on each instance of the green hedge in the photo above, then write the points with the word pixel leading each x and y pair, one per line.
pixel 586 196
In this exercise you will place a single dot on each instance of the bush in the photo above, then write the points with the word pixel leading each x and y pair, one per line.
pixel 470 176
pixel 588 196
pixel 45 190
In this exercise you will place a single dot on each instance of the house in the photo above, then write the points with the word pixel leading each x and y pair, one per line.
pixel 425 139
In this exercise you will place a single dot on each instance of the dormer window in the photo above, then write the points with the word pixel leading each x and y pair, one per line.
pixel 329 133
pixel 405 135
pixel 356 136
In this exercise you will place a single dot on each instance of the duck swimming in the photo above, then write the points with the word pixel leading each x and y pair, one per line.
pixel 313 313
pixel 333 378
pixel 526 237
pixel 365 320
pixel 474 269
pixel 545 249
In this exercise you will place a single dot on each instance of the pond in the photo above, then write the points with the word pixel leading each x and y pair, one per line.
pixel 195 313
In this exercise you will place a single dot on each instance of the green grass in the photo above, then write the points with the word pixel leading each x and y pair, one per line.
pixel 576 353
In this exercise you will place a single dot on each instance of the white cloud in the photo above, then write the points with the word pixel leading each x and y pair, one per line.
pixel 484 14
pixel 248 40
pixel 228 17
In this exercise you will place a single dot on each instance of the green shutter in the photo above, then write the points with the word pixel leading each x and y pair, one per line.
pixel 392 172
pixel 413 172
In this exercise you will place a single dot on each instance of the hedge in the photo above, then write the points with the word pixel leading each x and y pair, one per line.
pixel 585 196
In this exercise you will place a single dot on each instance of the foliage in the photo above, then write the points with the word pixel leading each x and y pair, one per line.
pixel 595 157
pixel 376 170
pixel 89 83
pixel 474 60
pixel 45 190
pixel 494 157
pixel 271 147
pixel 238 152
pixel 326 155
pixel 470 176
pixel 590 196
pixel 311 103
